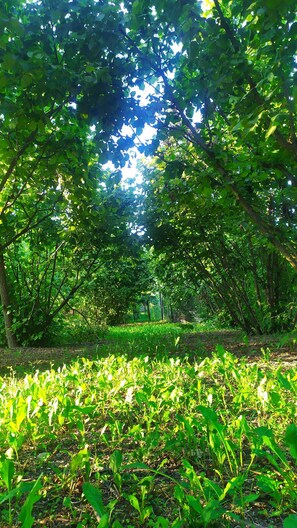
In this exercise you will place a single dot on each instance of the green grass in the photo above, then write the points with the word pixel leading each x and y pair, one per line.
pixel 144 435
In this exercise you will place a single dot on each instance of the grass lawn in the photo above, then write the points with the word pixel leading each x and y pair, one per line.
pixel 157 426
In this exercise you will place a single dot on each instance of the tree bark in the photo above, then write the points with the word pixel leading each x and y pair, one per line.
pixel 161 306
pixel 7 314
pixel 148 310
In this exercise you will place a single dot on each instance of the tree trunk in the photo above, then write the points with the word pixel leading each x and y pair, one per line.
pixel 11 338
pixel 286 249
pixel 161 306
pixel 171 314
pixel 148 310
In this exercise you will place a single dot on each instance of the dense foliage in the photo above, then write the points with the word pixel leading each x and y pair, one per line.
pixel 62 103
pixel 221 191
pixel 79 80
pixel 201 247
pixel 227 99
pixel 152 427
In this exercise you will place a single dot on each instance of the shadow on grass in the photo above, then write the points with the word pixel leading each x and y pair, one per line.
pixel 157 342
pixel 146 340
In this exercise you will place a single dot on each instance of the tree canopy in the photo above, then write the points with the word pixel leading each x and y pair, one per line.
pixel 62 104
pixel 217 81
pixel 228 98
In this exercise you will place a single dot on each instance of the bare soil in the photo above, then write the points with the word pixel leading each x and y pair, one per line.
pixel 254 348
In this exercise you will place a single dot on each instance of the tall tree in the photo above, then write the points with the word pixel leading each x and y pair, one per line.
pixel 60 75
pixel 224 81
pixel 203 241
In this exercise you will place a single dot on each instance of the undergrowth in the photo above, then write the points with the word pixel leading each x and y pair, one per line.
pixel 144 435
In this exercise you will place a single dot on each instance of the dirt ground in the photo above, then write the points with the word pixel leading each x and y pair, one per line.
pixel 254 348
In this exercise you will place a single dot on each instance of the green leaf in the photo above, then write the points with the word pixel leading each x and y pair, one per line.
pixel 88 409
pixel 291 439
pixel 162 522
pixel 209 414
pixel 4 80
pixel 284 381
pixel 117 524
pixel 270 131
pixel 7 472
pixel 94 497
pixel 291 521
pixel 104 521
pixel 134 502
pixel 250 498
pixel 7 496
pixel 212 511
pixel 263 432
pixel 115 461
pixel 25 515
pixel 195 504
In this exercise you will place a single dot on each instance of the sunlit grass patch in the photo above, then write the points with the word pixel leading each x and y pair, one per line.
pixel 149 438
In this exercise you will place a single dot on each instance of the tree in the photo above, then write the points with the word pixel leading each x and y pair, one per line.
pixel 117 287
pixel 53 261
pixel 201 244
pixel 223 90
pixel 60 75
pixel 225 84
